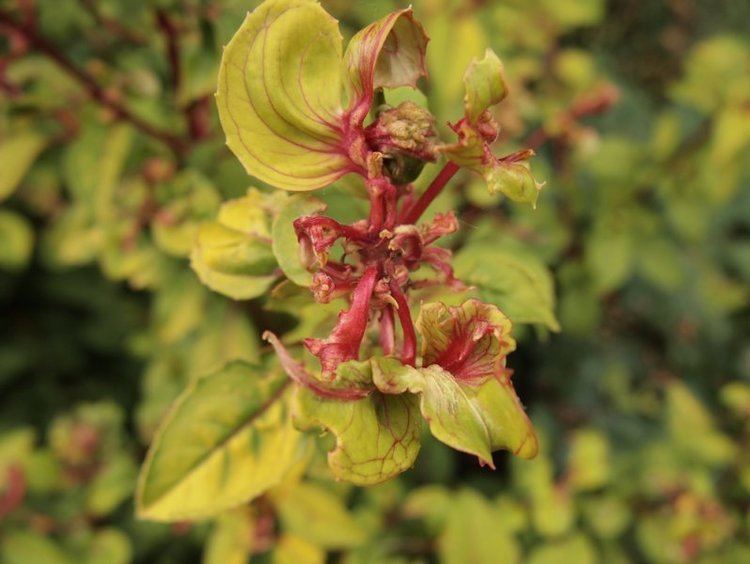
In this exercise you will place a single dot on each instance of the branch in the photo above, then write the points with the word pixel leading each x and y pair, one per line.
pixel 178 145
pixel 112 25
pixel 432 192
pixel 171 36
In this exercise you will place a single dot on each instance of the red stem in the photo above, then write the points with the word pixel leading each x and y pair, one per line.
pixel 427 197
pixel 387 331
pixel 409 348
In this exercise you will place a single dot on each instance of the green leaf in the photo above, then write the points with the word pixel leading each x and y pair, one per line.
pixel 485 85
pixel 23 547
pixel 576 548
pixel 285 245
pixel 377 437
pixel 514 280
pixel 227 439
pixel 387 53
pixel 472 533
pixel 109 546
pixel 588 465
pixel 17 154
pixel 231 538
pixel 318 516
pixel 279 95
pixel 16 240
pixel 112 485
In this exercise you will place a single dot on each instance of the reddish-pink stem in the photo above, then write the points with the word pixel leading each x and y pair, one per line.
pixel 409 348
pixel 427 197
pixel 387 330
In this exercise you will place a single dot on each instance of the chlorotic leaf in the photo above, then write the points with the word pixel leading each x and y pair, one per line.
pixel 377 437
pixel 485 85
pixel 227 439
pixel 514 280
pixel 387 53
pixel 279 95
pixel 17 154
pixel 452 415
pixel 284 238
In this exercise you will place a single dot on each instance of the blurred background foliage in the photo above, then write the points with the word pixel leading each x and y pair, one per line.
pixel 111 156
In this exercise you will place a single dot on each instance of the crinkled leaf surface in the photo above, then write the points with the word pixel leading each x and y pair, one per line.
pixel 387 53
pixel 377 437
pixel 471 340
pixel 447 407
pixel 485 85
pixel 285 244
pixel 279 95
pixel 514 280
pixel 17 154
pixel 227 439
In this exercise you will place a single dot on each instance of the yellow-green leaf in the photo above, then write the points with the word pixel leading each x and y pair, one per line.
pixel 318 516
pixel 279 95
pixel 227 439
pixel 16 240
pixel 17 154
pixel 231 538
pixel 514 280
pixel 485 85
pixel 377 437
pixel 284 238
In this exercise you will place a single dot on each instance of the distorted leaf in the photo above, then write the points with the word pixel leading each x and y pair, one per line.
pixel 16 240
pixel 377 437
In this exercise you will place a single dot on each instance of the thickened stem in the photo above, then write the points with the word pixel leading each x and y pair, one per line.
pixel 418 208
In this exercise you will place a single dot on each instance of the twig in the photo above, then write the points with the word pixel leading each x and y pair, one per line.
pixel 418 208
pixel 112 25
pixel 177 144
pixel 171 36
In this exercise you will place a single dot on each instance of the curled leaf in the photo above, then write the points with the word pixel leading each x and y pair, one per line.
pixel 450 412
pixel 279 95
pixel 485 85
pixel 510 175
pixel 377 437
pixel 470 341
pixel 387 53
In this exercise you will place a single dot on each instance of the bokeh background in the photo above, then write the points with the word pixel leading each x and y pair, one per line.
pixel 111 155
